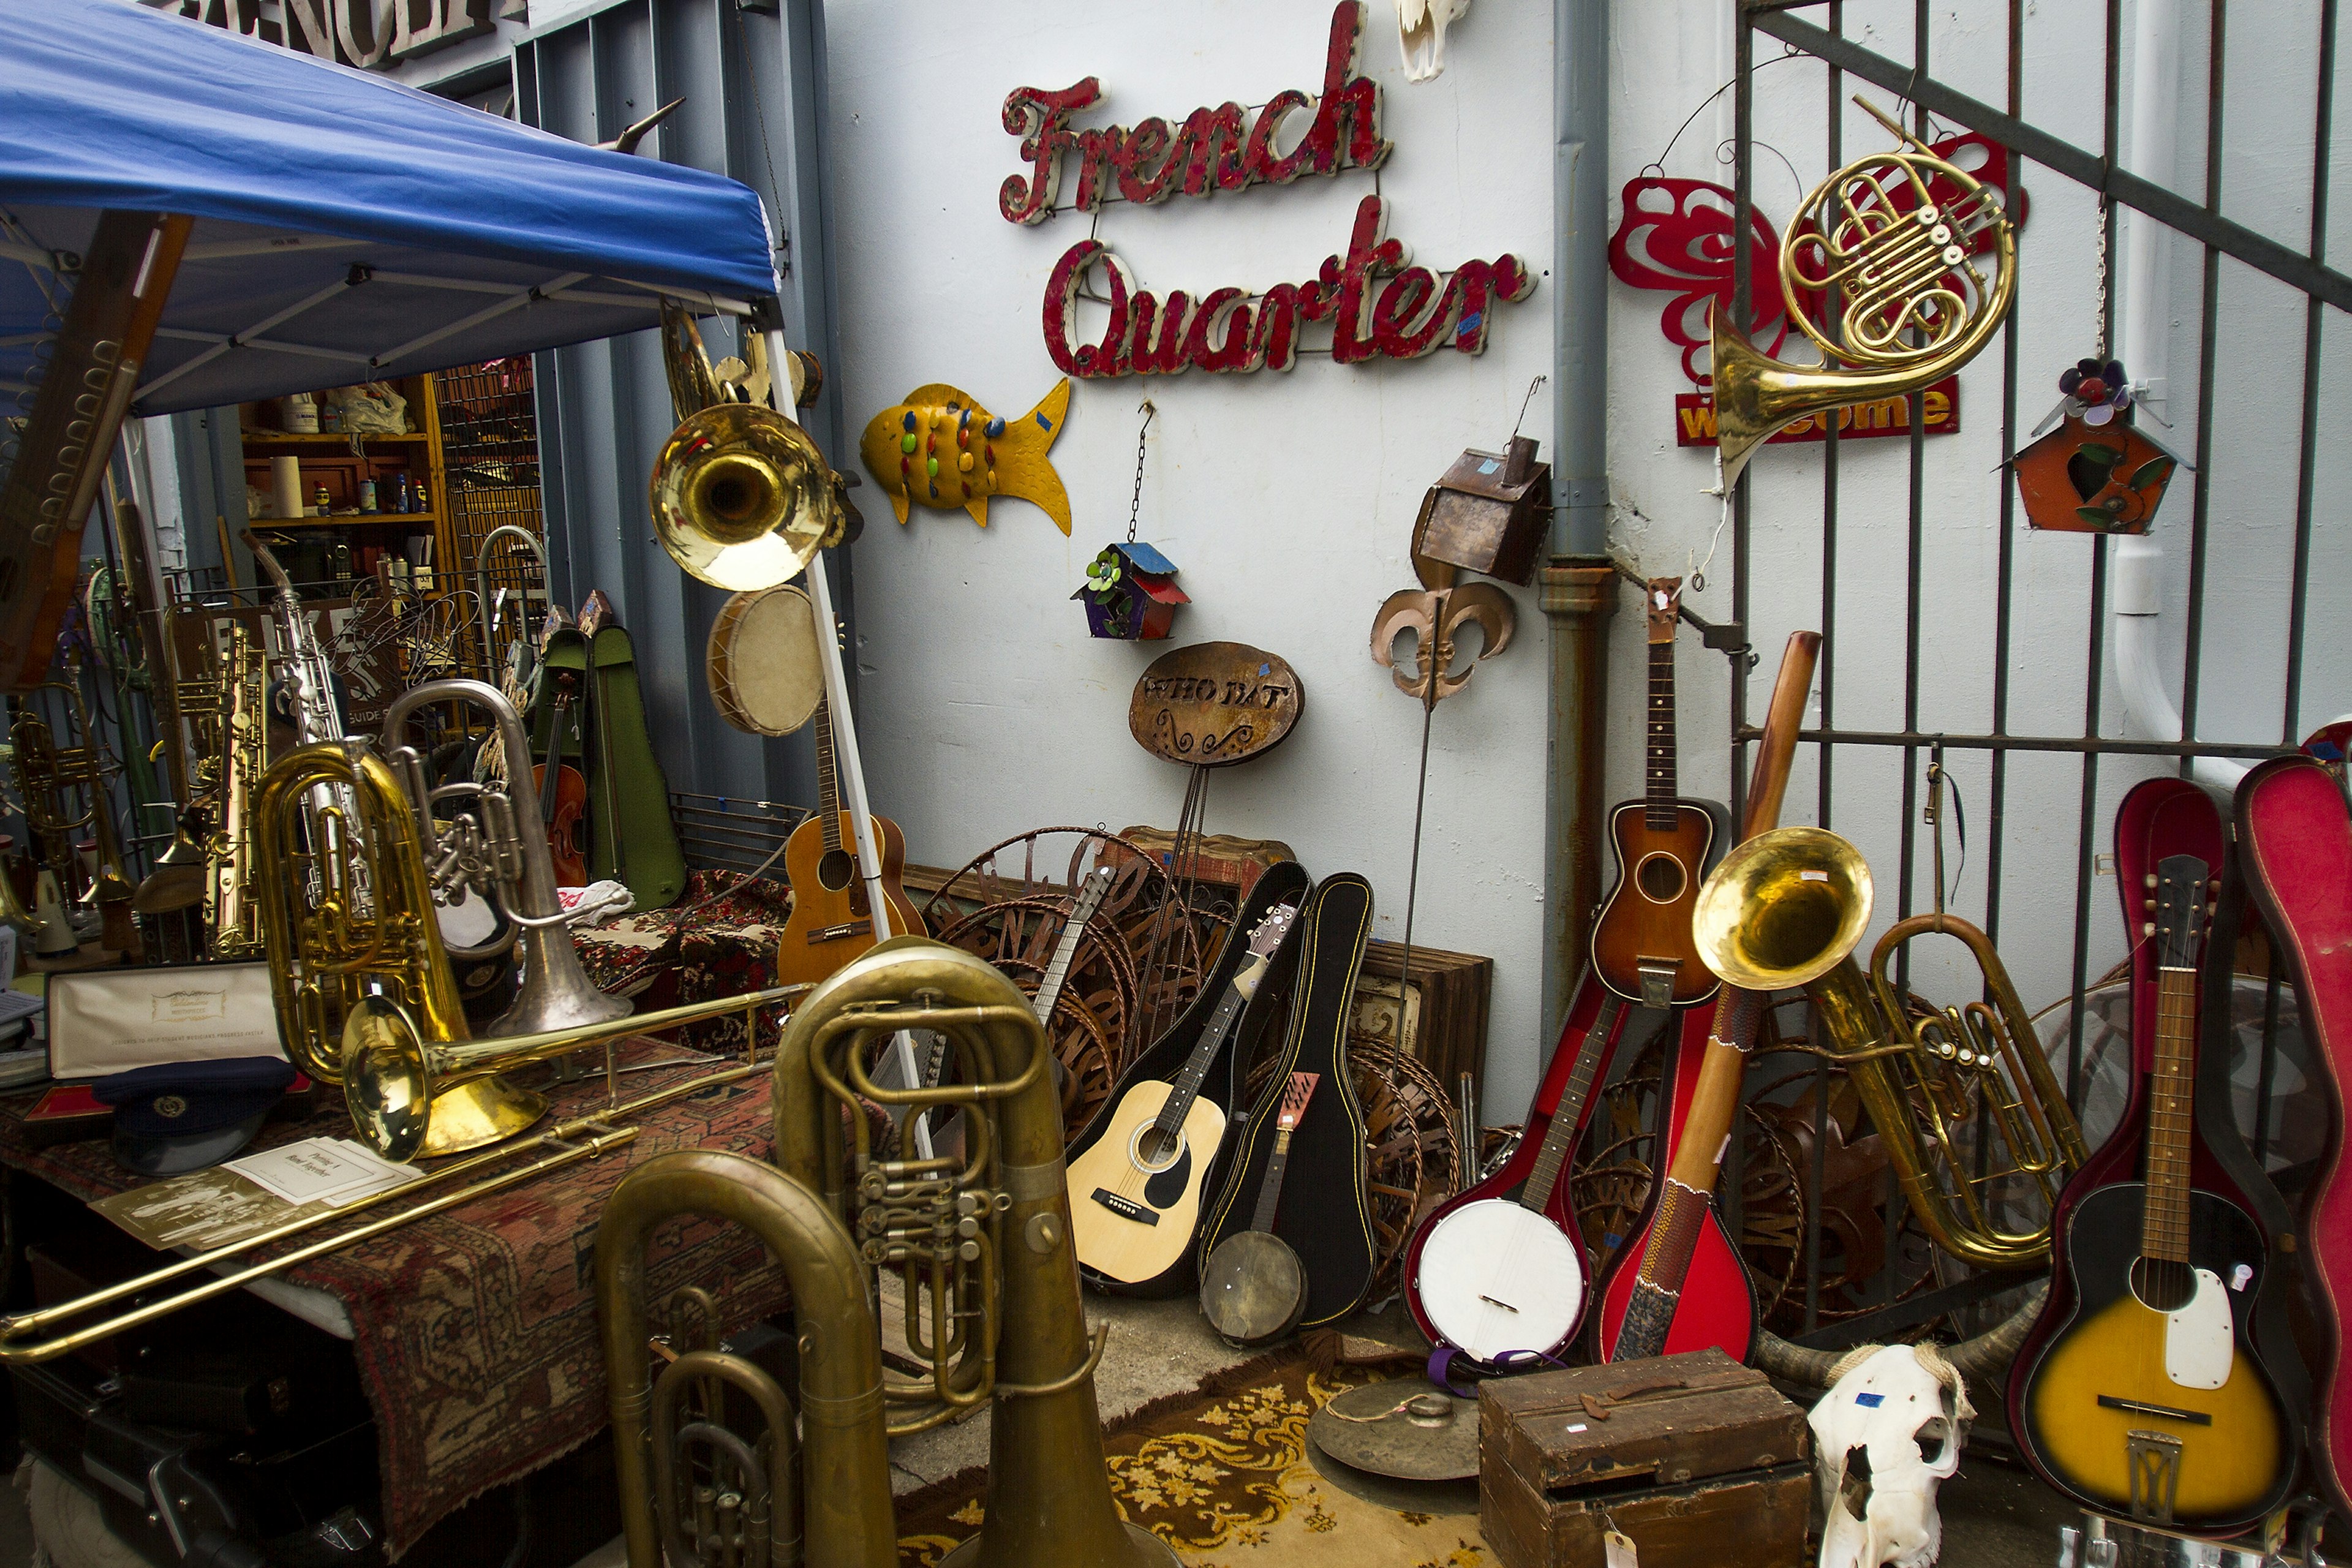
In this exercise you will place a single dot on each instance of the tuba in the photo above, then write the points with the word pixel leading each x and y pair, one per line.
pixel 743 499
pixel 492 855
pixel 981 1244
pixel 1787 909
pixel 1900 263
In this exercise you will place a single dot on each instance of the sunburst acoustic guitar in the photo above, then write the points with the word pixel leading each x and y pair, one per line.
pixel 1642 946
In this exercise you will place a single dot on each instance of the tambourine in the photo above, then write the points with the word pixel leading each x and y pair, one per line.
pixel 765 676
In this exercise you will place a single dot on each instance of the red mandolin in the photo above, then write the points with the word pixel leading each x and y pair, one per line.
pixel 563 806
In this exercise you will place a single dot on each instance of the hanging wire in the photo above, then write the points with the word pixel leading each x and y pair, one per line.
pixel 1526 403
pixel 1135 504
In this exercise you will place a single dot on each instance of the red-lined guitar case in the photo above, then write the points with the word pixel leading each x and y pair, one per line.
pixel 1164 1058
pixel 1325 1213
pixel 1719 1303
pixel 2161 818
pixel 1576 1041
pixel 2295 839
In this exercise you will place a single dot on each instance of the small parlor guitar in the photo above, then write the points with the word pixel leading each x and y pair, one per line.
pixel 563 792
pixel 831 921
pixel 2295 847
pixel 1135 1194
pixel 1499 1267
pixel 2149 1400
pixel 1251 1286
pixel 1642 946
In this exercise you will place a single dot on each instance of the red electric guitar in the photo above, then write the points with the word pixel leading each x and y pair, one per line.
pixel 1500 1267
pixel 563 803
pixel 1642 947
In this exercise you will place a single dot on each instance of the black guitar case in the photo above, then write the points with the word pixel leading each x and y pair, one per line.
pixel 1164 1058
pixel 1325 1213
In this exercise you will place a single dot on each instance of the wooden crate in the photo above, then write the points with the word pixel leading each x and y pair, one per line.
pixel 1445 1014
pixel 1684 1454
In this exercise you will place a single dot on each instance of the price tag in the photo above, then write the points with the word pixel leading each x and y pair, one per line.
pixel 1619 1546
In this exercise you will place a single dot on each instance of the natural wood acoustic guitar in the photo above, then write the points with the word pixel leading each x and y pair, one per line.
pixel 2151 1400
pixel 1135 1194
pixel 831 920
pixel 1642 946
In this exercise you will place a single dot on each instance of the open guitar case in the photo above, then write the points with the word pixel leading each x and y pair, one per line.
pixel 2161 818
pixel 1164 1058
pixel 2294 853
pixel 631 838
pixel 1326 1210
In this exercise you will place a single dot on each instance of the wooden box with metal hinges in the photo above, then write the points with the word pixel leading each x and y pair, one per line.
pixel 1695 1458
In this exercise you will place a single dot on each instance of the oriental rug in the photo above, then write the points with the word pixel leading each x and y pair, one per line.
pixel 1221 1474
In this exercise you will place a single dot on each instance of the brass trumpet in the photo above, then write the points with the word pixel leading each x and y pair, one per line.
pixel 1912 302
pixel 743 499
pixel 990 1278
pixel 1786 909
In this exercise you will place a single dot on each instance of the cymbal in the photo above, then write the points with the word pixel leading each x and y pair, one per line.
pixel 1409 1428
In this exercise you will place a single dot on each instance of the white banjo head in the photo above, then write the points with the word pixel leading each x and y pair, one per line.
pixel 762 661
pixel 1495 1278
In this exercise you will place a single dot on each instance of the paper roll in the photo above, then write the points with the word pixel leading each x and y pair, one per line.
pixel 286 487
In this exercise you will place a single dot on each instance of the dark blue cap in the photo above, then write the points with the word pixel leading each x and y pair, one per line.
pixel 183 1115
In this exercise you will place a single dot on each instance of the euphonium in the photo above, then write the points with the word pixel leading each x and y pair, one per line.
pixel 501 856
pixel 1909 299
pixel 741 497
pixel 1786 909
pixel 327 956
pixel 990 1278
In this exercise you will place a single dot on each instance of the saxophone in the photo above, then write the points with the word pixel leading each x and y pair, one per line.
pixel 233 752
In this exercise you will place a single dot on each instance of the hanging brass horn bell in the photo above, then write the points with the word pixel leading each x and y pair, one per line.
pixel 743 499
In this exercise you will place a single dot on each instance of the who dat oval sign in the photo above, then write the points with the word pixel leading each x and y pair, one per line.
pixel 1213 704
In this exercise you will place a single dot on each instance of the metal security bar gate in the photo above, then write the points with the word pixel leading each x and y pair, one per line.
pixel 2263 601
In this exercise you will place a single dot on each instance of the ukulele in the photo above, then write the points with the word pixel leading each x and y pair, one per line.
pixel 1135 1195
pixel 2149 1400
pixel 1641 945
pixel 1499 1267
pixel 832 921
pixel 563 793
pixel 1252 1287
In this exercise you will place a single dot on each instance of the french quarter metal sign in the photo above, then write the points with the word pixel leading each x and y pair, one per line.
pixel 1377 305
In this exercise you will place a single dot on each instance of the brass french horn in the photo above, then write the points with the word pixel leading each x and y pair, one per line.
pixel 1786 909
pixel 1912 304
pixel 741 498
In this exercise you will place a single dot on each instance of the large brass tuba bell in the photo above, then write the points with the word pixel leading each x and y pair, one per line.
pixel 980 1244
pixel 741 498
pixel 1909 297
pixel 1785 909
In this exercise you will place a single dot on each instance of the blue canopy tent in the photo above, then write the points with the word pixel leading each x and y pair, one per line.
pixel 346 226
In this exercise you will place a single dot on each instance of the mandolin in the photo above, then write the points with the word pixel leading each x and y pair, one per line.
pixel 1499 1267
pixel 831 920
pixel 1253 1288
pixel 1135 1194
pixel 563 792
pixel 1642 946
pixel 2149 1401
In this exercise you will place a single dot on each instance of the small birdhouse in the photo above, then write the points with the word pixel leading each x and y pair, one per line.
pixel 2093 479
pixel 1130 594
pixel 1490 512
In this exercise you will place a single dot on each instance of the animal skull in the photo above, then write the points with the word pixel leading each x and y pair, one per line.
pixel 1421 34
pixel 1887 1435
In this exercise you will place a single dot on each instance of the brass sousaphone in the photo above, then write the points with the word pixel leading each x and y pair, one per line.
pixel 1900 261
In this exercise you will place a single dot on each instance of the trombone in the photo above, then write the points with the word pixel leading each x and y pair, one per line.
pixel 1786 909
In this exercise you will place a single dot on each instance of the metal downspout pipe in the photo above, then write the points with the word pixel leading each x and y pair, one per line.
pixel 1579 594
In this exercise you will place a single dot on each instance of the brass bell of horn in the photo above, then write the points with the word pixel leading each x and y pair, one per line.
pixel 1782 910
pixel 1911 305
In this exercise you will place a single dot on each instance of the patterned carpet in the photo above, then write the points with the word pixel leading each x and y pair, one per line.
pixel 1221 1473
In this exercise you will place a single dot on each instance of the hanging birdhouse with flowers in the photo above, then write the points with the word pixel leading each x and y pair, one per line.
pixel 2089 469
pixel 1130 593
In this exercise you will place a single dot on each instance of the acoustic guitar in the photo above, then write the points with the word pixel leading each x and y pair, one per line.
pixel 2151 1400
pixel 833 919
pixel 1499 1267
pixel 1135 1194
pixel 1253 1288
pixel 1642 946
pixel 563 792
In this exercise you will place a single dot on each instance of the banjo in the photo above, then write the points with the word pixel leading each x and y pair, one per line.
pixel 1252 1288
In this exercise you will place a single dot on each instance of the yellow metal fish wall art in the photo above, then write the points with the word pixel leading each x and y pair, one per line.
pixel 940 447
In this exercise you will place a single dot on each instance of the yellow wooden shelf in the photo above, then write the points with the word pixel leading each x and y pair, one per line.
pixel 332 438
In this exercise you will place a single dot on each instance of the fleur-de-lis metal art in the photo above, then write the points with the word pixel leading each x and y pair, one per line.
pixel 1435 616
